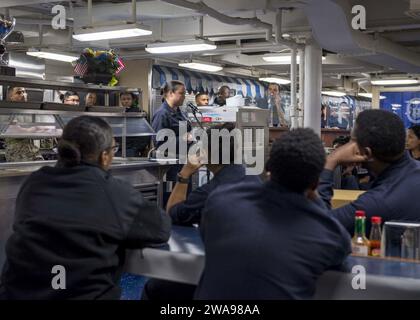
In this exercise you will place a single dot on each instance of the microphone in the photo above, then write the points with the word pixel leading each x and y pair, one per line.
pixel 194 111
pixel 193 108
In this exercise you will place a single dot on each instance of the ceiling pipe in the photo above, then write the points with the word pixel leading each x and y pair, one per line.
pixel 221 49
pixel 89 10
pixel 41 34
pixel 201 27
pixel 13 3
pixel 133 11
pixel 32 21
pixel 279 21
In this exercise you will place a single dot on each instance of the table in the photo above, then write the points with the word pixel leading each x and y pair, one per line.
pixel 182 259
pixel 343 197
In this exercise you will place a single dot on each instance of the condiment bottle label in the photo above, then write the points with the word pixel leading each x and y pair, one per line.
pixel 360 250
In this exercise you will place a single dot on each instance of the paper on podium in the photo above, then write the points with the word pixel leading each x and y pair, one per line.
pixel 236 101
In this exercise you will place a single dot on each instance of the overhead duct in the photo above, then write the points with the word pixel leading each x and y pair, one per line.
pixel 345 40
pixel 201 7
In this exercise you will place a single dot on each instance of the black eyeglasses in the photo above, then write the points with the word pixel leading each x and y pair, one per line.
pixel 115 148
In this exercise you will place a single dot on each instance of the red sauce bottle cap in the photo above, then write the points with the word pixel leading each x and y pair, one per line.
pixel 376 219
pixel 360 213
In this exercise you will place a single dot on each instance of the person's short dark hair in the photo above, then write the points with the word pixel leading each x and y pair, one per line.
pixel 10 90
pixel 223 88
pixel 229 126
pixel 199 94
pixel 341 140
pixel 275 84
pixel 64 96
pixel 416 130
pixel 84 139
pixel 171 86
pixel 296 160
pixel 133 96
pixel 383 132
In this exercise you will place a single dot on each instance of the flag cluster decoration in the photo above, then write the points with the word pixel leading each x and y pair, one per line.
pixel 98 66
pixel 81 66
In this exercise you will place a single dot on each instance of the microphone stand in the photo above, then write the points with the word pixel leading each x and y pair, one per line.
pixel 194 111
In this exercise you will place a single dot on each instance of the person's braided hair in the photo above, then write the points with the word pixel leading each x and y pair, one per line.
pixel 83 139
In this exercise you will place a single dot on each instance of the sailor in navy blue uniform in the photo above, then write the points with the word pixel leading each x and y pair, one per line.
pixel 272 241
pixel 170 116
pixel 378 141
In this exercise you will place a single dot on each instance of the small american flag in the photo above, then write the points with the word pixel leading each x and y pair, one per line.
pixel 81 66
pixel 121 66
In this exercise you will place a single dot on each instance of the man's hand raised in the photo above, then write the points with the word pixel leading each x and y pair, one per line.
pixel 347 154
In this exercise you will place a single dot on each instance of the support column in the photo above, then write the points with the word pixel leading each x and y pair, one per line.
pixel 301 86
pixel 375 97
pixel 294 113
pixel 313 85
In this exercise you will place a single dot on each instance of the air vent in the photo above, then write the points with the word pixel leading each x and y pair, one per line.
pixel 255 53
pixel 256 40
pixel 225 42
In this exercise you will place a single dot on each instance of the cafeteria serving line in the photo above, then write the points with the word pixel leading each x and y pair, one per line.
pixel 209 150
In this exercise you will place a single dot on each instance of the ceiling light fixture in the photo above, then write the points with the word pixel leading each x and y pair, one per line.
pixel 275 80
pixel 201 65
pixel 52 55
pixel 181 46
pixel 117 31
pixel 389 82
pixel 369 95
pixel 281 58
pixel 334 93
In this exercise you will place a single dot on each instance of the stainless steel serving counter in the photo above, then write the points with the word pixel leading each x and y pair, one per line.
pixel 182 259
pixel 144 174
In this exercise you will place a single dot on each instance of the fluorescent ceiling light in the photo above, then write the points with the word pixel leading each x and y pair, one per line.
pixel 387 82
pixel 275 80
pixel 202 66
pixel 126 30
pixel 281 58
pixel 334 93
pixel 369 95
pixel 52 55
pixel 181 46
